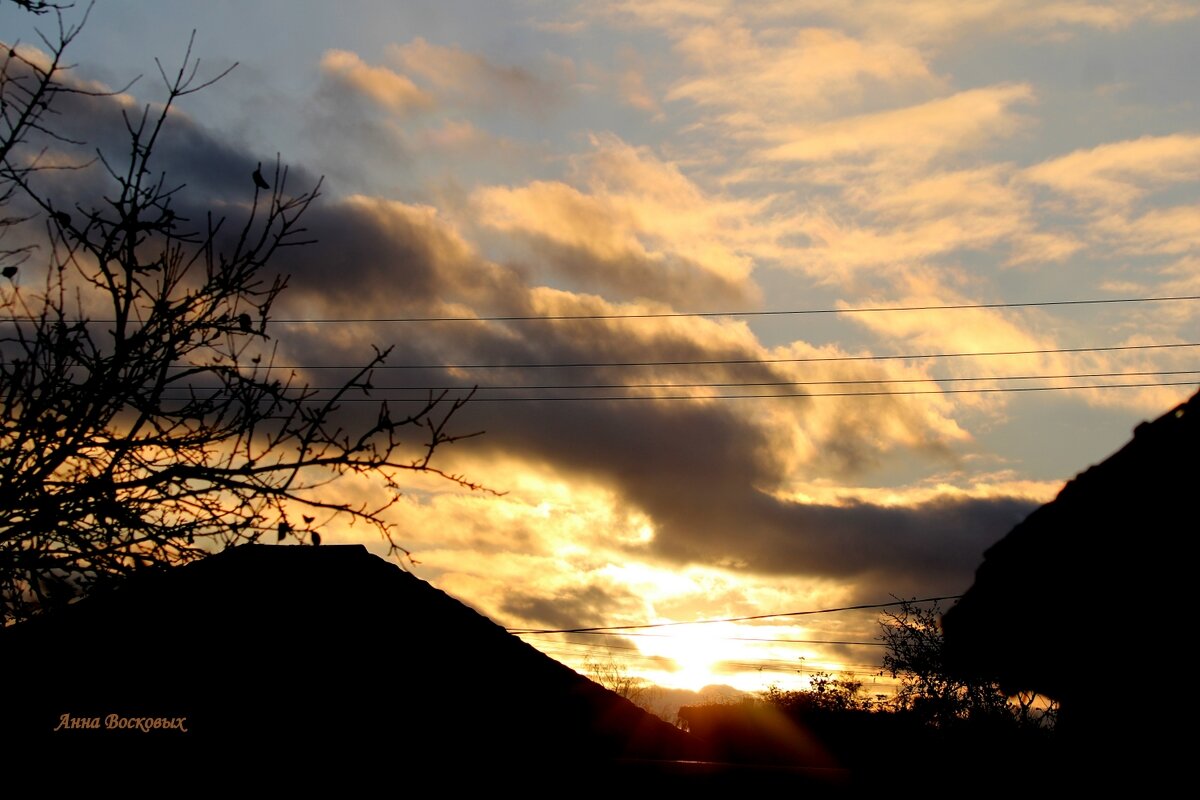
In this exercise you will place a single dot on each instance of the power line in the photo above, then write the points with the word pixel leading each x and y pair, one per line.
pixel 715 638
pixel 734 384
pixel 678 314
pixel 839 609
pixel 757 396
pixel 736 361
pixel 767 313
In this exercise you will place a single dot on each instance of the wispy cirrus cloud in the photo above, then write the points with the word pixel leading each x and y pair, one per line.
pixel 385 87
pixel 631 78
pixel 465 78
pixel 1129 199
pixel 924 22
pixel 751 76
pixel 901 227
pixel 935 23
pixel 1114 176
pixel 1170 231
pixel 911 136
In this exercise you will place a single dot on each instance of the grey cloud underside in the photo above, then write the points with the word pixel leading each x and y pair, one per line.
pixel 696 471
pixel 572 607
pixel 701 471
pixel 350 135
pixel 671 278
pixel 210 174
pixel 469 80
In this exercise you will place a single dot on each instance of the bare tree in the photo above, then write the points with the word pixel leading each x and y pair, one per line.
pixel 30 82
pixel 616 678
pixel 143 420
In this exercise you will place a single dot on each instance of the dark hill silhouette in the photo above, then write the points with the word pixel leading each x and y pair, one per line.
pixel 329 654
pixel 1076 598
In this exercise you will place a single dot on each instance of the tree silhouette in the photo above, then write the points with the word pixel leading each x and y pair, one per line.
pixel 143 422
pixel 826 693
pixel 615 677
pixel 934 691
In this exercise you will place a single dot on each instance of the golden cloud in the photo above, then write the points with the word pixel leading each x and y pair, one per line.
pixel 388 89
pixel 1173 231
pixel 913 135
pixel 642 225
pixel 810 73
pixel 1115 175
pixel 472 79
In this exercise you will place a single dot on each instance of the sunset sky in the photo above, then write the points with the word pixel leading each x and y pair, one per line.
pixel 640 161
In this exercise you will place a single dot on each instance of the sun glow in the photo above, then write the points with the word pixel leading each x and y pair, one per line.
pixel 705 655
pixel 694 651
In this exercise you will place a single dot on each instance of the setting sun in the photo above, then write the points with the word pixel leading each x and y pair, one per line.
pixel 693 651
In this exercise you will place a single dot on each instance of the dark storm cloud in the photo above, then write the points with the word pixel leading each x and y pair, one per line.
pixel 93 135
pixel 703 471
pixel 697 471
pixel 926 549
pixel 393 260
pixel 570 607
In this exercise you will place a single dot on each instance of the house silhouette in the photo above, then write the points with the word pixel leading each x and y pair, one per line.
pixel 1089 599
pixel 317 657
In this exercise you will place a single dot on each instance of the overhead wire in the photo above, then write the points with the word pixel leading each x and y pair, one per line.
pixel 568 649
pixel 857 643
pixel 755 396
pixel 713 621
pixel 730 361
pixel 762 313
pixel 735 384
pixel 700 314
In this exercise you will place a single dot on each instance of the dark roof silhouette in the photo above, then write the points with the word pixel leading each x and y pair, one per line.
pixel 329 651
pixel 1078 594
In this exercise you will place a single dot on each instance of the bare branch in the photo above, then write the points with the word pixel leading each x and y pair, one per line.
pixel 141 427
